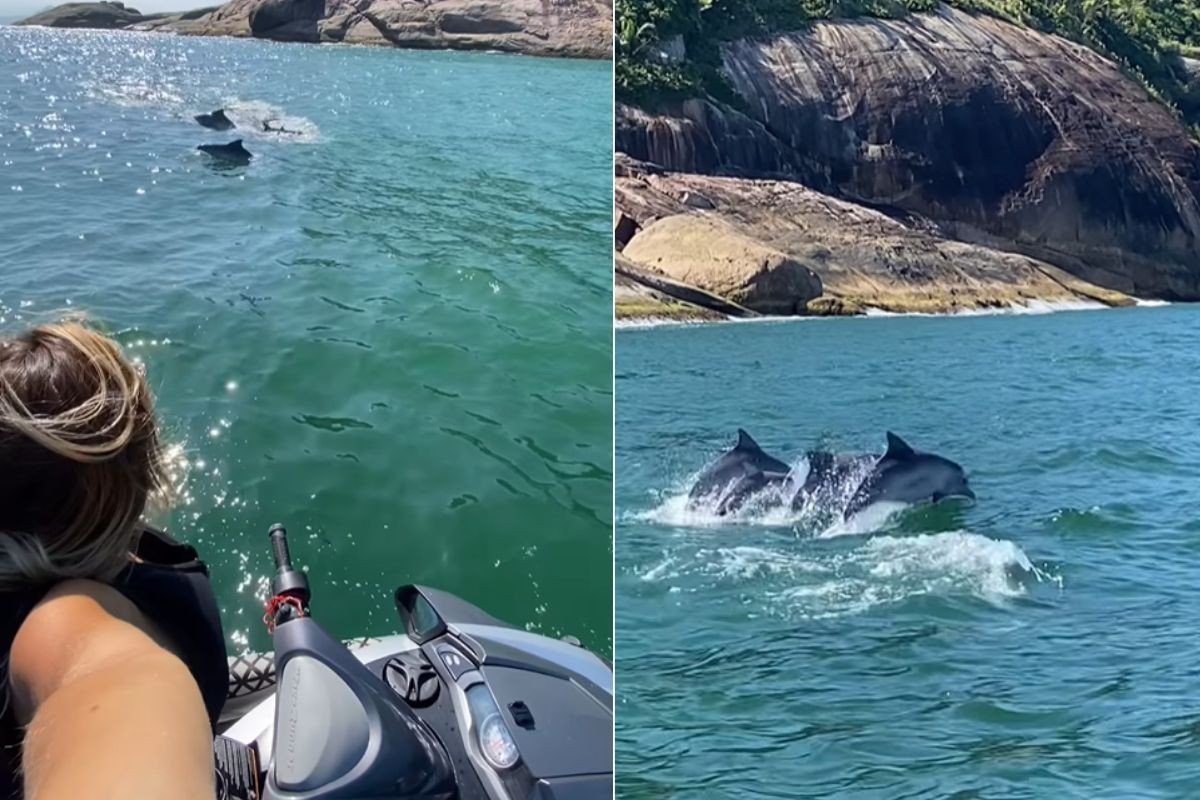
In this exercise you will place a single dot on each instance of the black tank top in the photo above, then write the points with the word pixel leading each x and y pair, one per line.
pixel 170 586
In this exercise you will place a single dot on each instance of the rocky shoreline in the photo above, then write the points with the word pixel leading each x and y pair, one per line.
pixel 550 28
pixel 937 163
pixel 779 248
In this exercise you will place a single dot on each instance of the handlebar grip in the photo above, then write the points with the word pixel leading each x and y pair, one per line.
pixel 279 547
pixel 287 581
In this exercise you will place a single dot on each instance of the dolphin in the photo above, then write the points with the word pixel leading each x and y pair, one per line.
pixel 233 152
pixel 745 469
pixel 829 471
pixel 750 486
pixel 904 475
pixel 266 126
pixel 216 120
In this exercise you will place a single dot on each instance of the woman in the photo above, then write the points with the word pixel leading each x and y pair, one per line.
pixel 115 668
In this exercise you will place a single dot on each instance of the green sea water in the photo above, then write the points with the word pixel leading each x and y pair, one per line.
pixel 391 331
pixel 1039 644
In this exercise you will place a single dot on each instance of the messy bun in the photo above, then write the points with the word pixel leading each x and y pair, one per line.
pixel 79 455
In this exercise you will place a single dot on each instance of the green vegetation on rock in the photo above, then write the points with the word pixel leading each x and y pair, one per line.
pixel 1146 37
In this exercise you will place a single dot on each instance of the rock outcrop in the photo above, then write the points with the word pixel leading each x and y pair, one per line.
pixel 104 16
pixel 707 252
pixel 641 294
pixel 863 258
pixel 567 28
pixel 966 134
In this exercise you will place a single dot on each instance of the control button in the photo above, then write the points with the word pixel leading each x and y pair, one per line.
pixel 456 663
pixel 521 714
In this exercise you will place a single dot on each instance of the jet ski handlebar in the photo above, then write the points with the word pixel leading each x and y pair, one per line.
pixel 279 547
pixel 289 587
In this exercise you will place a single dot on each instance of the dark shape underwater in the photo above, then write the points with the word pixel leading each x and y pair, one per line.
pixel 232 153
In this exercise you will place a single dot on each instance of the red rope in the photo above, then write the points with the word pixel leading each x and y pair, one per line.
pixel 277 602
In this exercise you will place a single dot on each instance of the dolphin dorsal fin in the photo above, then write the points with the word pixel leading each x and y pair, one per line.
pixel 897 448
pixel 745 442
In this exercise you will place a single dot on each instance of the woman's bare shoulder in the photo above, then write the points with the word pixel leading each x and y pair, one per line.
pixel 78 625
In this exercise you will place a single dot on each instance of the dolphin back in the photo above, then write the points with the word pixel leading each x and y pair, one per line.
pixel 743 490
pixel 744 460
pixel 904 475
pixel 234 151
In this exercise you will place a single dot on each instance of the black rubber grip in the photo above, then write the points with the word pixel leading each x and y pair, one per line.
pixel 279 547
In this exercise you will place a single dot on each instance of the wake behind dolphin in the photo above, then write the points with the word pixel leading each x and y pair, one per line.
pixel 846 484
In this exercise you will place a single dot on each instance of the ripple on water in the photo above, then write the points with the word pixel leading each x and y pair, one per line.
pixel 396 263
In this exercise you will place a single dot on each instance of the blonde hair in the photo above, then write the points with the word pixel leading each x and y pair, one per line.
pixel 79 455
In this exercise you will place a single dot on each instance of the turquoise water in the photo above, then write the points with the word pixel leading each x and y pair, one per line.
pixel 391 331
pixel 1038 644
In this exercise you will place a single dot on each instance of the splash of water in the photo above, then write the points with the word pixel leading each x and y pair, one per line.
pixel 819 513
pixel 811 583
pixel 257 119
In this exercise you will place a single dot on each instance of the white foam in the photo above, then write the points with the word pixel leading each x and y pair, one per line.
pixel 675 510
pixel 250 115
pixel 1031 307
pixel 874 517
pixel 820 514
pixel 747 563
pixel 678 509
pixel 988 568
pixel 645 323
pixel 660 570
pixel 1145 303
pixel 799 581
pixel 136 92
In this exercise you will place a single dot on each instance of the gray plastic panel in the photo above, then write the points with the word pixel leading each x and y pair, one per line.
pixel 590 787
pixel 456 611
pixel 321 728
pixel 572 733
pixel 403 758
pixel 540 652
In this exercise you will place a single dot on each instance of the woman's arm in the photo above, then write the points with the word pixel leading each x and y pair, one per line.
pixel 111 712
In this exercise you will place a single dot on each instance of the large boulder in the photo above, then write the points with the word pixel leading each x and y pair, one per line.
pixel 994 132
pixel 863 257
pixel 1188 72
pixel 709 253
pixel 286 19
pixel 104 16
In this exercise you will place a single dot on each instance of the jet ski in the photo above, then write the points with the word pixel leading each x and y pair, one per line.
pixel 459 705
